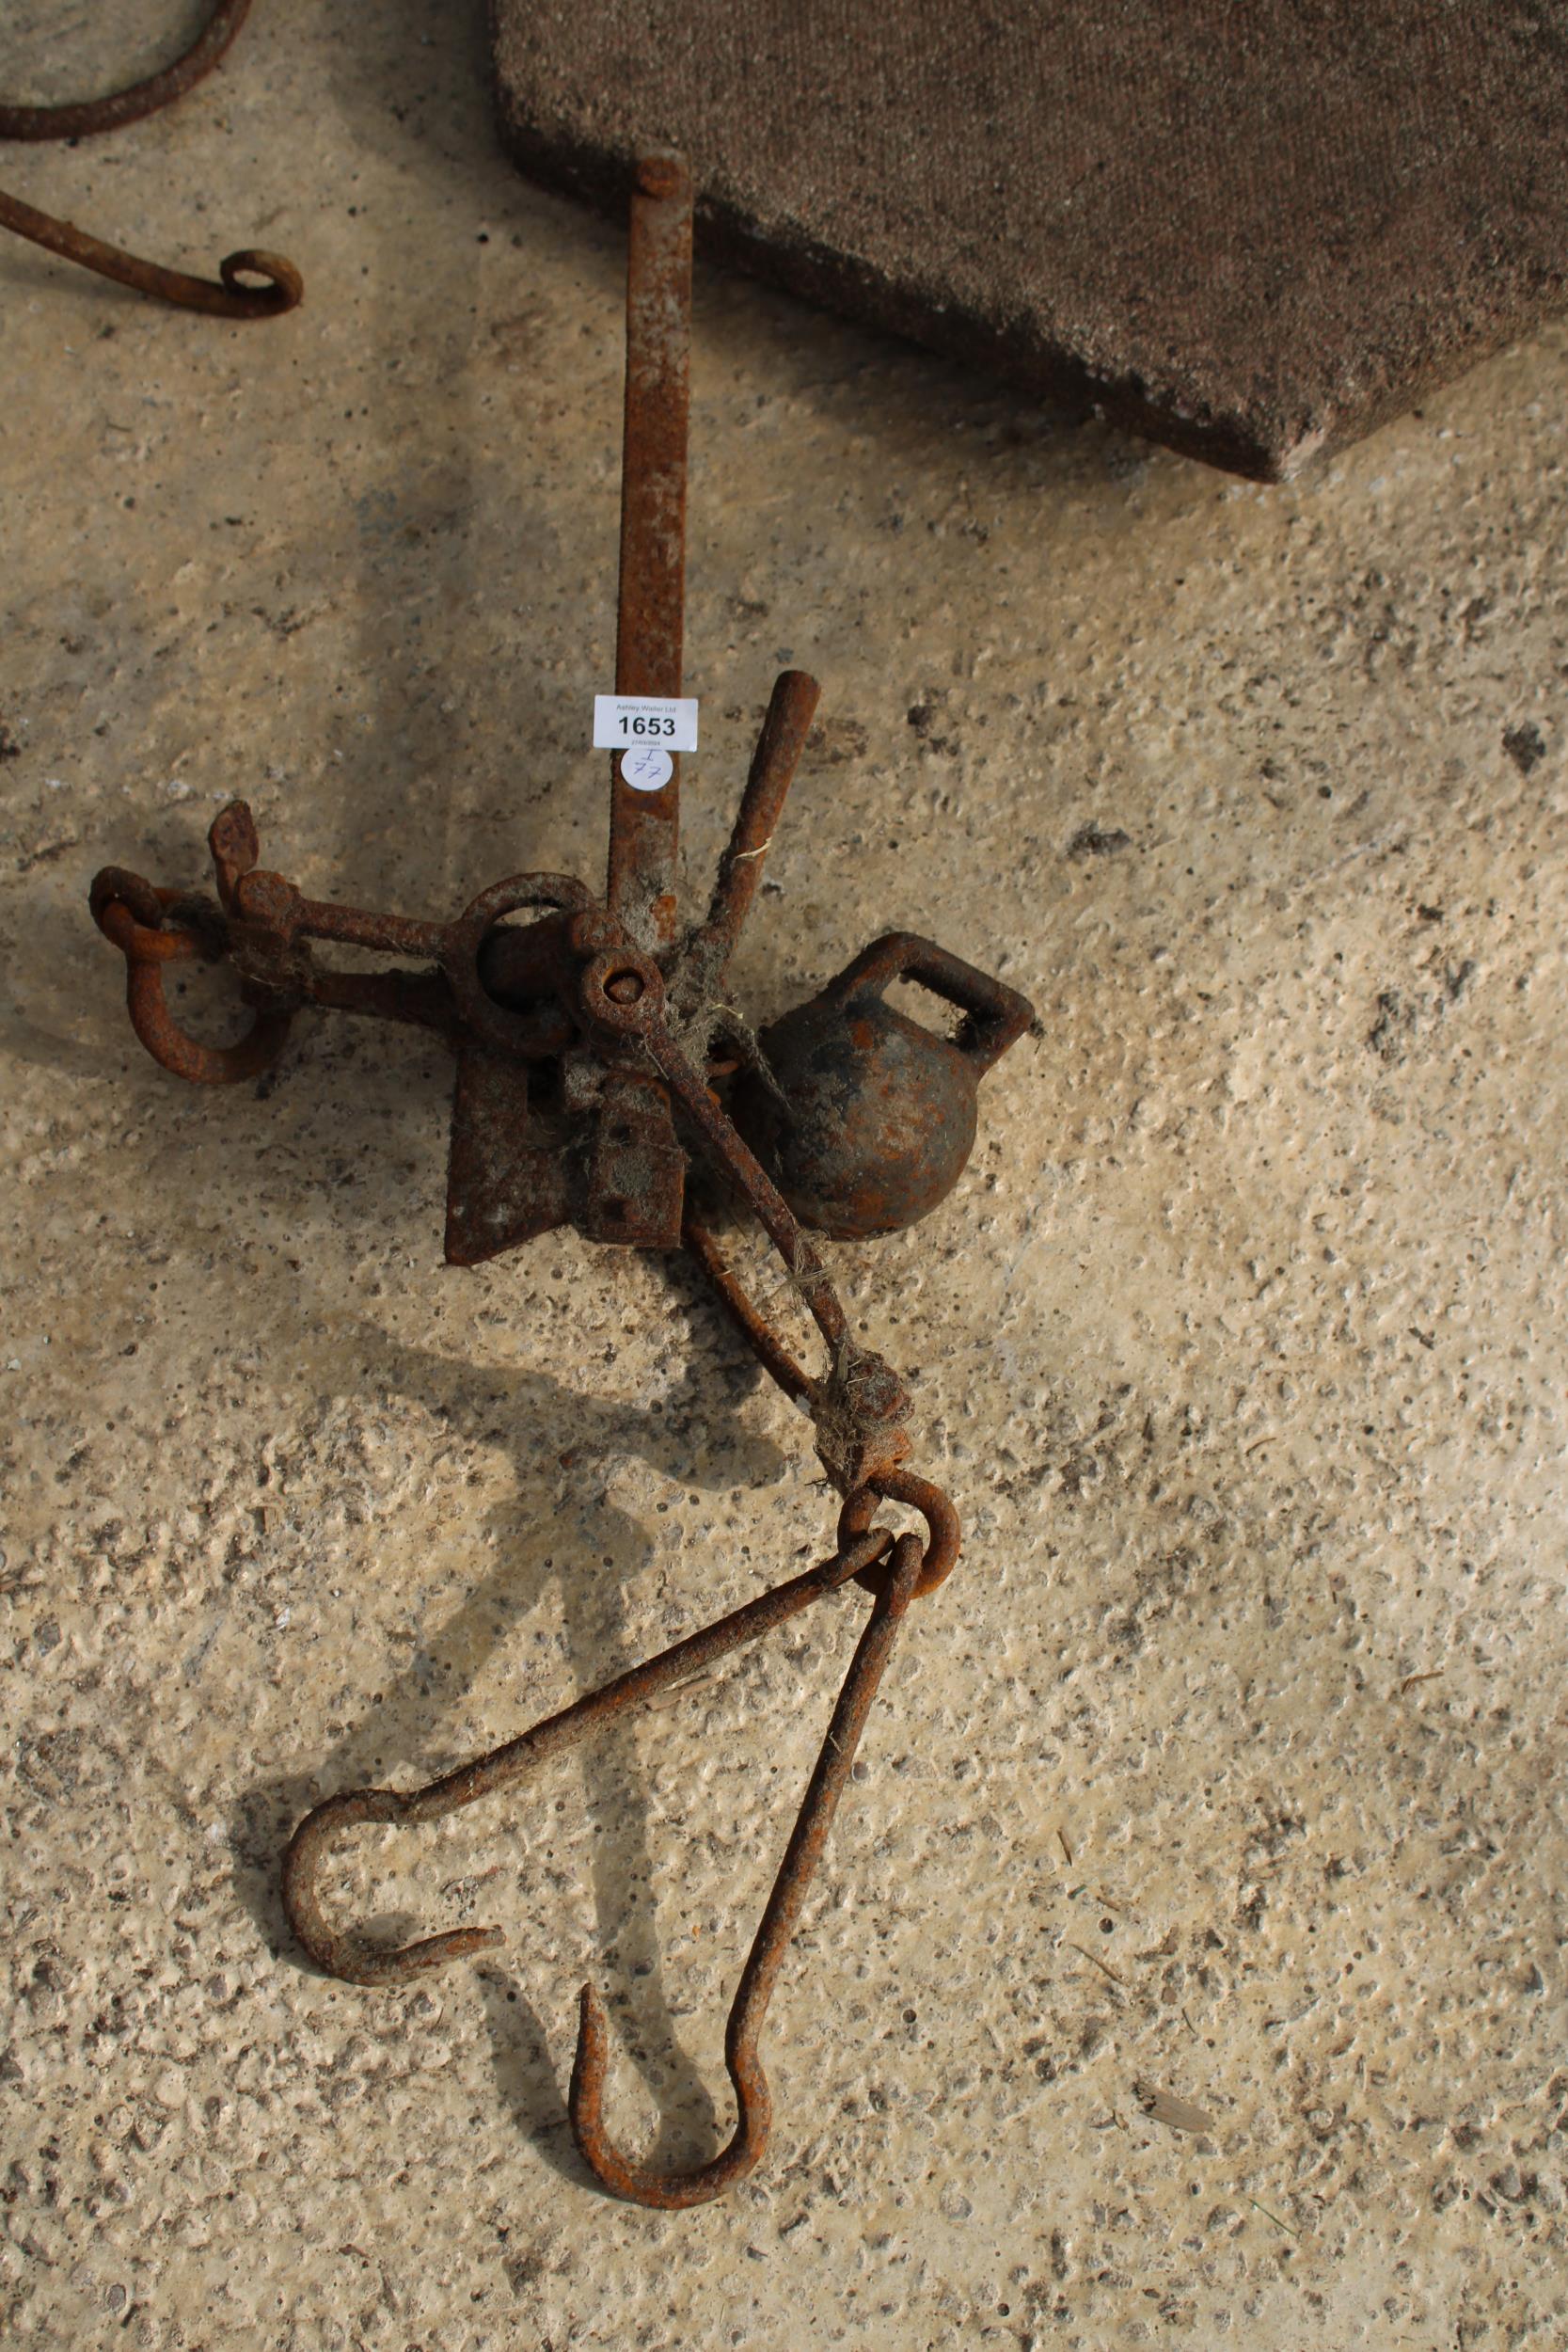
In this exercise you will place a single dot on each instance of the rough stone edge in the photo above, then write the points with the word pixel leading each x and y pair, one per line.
pixel 1233 440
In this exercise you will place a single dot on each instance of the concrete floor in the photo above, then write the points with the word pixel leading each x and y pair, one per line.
pixel 1228 1767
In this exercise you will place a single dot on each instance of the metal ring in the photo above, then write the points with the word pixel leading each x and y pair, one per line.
pixel 137 943
pixel 532 1036
pixel 935 1508
pixel 116 886
pixel 606 1012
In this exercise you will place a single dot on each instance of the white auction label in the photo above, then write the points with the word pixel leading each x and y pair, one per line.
pixel 622 719
pixel 648 769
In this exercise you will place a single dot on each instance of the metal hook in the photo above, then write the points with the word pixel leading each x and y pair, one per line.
pixel 89 115
pixel 341 1953
pixel 669 2191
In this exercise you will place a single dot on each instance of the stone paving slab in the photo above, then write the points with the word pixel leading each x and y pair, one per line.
pixel 1252 229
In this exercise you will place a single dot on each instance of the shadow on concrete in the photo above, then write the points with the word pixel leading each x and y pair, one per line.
pixel 447 534
pixel 592 1553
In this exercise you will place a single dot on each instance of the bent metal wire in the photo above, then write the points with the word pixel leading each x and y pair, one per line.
pixel 231 295
pixel 599 1075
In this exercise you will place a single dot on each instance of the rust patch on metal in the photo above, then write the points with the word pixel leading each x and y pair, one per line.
pixel 645 827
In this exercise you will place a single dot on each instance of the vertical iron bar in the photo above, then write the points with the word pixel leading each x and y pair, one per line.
pixel 645 826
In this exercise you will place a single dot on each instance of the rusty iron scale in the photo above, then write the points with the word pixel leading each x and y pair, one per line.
pixel 599 1075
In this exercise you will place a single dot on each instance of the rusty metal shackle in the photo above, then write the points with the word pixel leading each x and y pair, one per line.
pixel 132 914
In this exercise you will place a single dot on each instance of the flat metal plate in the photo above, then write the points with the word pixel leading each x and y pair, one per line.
pixel 1254 229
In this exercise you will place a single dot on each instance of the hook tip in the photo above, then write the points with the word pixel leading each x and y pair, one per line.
pixel 663 2192
pixel 339 1951
pixel 585 2099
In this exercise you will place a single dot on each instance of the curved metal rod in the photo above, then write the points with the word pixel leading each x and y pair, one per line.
pixel 251 1056
pixel 230 300
pixel 935 1507
pixel 862 1409
pixel 748 1317
pixel 81 119
pixel 729 1151
pixel 620 2174
pixel 891 1483
pixel 121 901
pixel 341 1952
